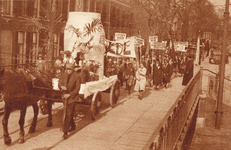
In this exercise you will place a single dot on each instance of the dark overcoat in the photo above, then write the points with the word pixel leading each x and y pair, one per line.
pixel 166 74
pixel 73 85
pixel 157 75
pixel 188 74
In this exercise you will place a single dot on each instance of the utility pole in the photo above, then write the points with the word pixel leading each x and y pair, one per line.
pixel 219 111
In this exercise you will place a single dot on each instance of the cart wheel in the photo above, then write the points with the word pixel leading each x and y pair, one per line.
pixel 95 105
pixel 114 93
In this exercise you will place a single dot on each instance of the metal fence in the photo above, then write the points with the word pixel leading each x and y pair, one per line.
pixel 210 86
pixel 172 130
pixel 18 61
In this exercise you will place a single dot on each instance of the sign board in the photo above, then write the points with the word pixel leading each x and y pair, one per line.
pixel 139 41
pixel 207 35
pixel 181 43
pixel 180 48
pixel 159 45
pixel 152 40
pixel 120 36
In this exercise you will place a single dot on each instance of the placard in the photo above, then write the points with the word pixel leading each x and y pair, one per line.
pixel 120 36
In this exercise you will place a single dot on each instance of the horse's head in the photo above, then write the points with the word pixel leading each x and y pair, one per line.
pixel 1 83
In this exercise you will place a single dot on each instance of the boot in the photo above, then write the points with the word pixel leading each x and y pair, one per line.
pixel 141 95
pixel 65 135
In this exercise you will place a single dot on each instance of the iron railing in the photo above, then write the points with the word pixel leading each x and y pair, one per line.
pixel 210 86
pixel 18 61
pixel 171 131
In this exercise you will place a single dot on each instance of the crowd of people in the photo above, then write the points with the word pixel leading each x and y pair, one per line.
pixel 156 71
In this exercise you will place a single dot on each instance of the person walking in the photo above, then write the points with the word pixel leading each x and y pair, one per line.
pixel 188 74
pixel 166 73
pixel 69 83
pixel 121 73
pixel 140 80
pixel 157 75
pixel 129 76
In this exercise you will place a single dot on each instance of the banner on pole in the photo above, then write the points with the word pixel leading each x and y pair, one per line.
pixel 139 41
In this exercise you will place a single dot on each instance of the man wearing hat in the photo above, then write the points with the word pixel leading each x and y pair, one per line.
pixel 69 83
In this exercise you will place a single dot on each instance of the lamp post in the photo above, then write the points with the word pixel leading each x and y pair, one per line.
pixel 222 68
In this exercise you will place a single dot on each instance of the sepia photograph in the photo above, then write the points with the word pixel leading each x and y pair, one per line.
pixel 115 75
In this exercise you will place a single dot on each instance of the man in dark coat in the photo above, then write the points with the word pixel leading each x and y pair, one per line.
pixel 166 73
pixel 188 74
pixel 69 82
pixel 157 74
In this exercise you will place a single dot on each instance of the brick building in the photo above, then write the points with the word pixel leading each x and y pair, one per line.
pixel 20 45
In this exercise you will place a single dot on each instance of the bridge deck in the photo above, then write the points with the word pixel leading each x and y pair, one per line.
pixel 129 125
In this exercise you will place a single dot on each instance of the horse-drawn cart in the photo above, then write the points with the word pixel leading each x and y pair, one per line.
pixel 89 94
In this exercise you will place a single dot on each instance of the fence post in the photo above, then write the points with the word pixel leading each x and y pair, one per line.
pixel 201 76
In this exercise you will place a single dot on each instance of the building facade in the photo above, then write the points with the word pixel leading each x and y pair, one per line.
pixel 20 45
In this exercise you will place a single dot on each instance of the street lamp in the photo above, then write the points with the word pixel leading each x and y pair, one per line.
pixel 219 111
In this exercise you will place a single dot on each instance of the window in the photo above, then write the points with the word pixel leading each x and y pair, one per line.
pixel 104 14
pixel 92 6
pixel 118 18
pixel 21 50
pixel 34 47
pixel 65 10
pixel 98 7
pixel 56 46
pixel 7 7
pixel 85 5
pixel 113 19
pixel 72 5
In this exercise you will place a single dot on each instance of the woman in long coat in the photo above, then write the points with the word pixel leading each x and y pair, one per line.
pixel 188 74
pixel 140 80
pixel 157 74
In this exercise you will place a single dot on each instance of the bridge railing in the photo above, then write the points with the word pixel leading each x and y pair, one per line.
pixel 171 131
pixel 210 86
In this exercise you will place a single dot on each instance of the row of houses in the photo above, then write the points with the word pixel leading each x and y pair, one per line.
pixel 21 45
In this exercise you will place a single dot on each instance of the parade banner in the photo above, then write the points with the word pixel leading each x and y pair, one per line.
pixel 131 45
pixel 120 36
pixel 84 32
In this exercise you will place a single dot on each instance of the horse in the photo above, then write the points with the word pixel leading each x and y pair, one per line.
pixel 16 89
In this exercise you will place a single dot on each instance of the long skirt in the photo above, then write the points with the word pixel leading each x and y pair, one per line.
pixel 140 85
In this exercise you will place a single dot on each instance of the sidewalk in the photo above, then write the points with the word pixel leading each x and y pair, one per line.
pixel 127 126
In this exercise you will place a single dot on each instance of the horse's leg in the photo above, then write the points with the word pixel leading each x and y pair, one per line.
pixel 33 124
pixel 49 122
pixel 21 123
pixel 6 116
